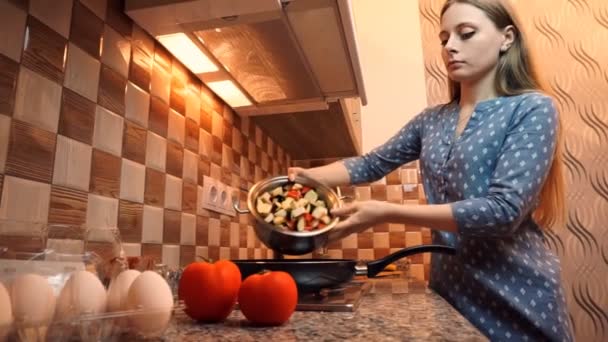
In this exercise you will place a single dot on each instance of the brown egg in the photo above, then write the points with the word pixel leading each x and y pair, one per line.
pixel 33 304
pixel 151 294
pixel 6 313
pixel 83 293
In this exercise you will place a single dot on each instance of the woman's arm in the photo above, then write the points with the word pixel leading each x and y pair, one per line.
pixel 515 184
pixel 401 148
pixel 362 215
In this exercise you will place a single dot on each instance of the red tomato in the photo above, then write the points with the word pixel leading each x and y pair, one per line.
pixel 268 298
pixel 210 290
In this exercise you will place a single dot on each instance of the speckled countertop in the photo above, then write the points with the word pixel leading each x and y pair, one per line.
pixel 394 309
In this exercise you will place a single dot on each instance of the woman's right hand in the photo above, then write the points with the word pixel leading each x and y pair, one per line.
pixel 301 175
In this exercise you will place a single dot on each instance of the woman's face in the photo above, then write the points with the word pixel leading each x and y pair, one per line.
pixel 471 42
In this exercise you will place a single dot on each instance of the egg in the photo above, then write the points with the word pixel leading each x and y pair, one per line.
pixel 83 293
pixel 119 289
pixel 33 304
pixel 151 294
pixel 6 313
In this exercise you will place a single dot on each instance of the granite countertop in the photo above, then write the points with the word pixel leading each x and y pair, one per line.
pixel 394 309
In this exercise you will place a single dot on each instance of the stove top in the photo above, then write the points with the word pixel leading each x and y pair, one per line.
pixel 343 299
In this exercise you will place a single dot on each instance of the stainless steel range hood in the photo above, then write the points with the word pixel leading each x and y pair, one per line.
pixel 261 56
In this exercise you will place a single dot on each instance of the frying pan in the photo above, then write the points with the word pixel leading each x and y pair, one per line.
pixel 312 275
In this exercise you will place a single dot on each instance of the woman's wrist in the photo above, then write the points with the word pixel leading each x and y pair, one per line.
pixel 393 213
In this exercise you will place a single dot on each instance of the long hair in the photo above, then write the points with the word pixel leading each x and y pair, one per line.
pixel 516 74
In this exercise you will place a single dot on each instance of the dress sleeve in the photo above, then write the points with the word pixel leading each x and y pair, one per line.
pixel 401 148
pixel 522 167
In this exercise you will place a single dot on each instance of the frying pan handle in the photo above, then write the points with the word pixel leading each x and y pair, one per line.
pixel 375 267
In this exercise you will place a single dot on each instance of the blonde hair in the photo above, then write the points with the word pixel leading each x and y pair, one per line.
pixel 516 74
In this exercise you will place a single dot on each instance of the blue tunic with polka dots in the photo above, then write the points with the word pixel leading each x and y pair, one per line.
pixel 503 279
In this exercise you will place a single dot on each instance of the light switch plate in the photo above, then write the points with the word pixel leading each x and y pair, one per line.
pixel 217 196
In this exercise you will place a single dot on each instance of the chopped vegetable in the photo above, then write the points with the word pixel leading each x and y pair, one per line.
pixel 319 212
pixel 293 207
pixel 311 196
pixel 278 191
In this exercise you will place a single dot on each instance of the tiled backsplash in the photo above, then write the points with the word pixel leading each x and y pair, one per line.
pixel 401 186
pixel 100 125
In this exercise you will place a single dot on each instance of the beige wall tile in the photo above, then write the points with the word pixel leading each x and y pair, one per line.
pixel 156 152
pixel 365 254
pixel 202 251
pixel 152 229
pixel 413 238
pixel 205 143
pixel 72 163
pixel 335 253
pixel 116 51
pixel 381 240
pixel 225 253
pixel 350 241
pixel 36 95
pixel 173 193
pixel 82 73
pixel 12 30
pixel 137 105
pixel 363 193
pixel 5 128
pixel 177 127
pixel 188 230
pixel 102 212
pixel 24 200
pixel 394 193
pixel 132 249
pixel 55 14
pixel 171 256
pixel 108 131
pixel 190 167
pixel 132 181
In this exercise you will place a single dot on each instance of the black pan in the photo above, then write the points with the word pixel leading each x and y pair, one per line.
pixel 312 275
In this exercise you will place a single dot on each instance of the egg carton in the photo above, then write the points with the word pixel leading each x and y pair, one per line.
pixel 59 289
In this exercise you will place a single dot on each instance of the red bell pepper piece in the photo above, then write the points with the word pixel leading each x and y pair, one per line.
pixel 295 194
pixel 308 217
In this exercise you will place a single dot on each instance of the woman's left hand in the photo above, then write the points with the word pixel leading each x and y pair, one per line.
pixel 356 217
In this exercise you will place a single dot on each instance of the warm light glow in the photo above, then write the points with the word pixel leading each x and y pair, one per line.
pixel 180 45
pixel 229 93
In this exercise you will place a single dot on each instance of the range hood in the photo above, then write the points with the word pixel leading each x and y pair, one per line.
pixel 261 56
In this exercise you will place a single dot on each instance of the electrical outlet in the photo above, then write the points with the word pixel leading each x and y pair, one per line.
pixel 217 196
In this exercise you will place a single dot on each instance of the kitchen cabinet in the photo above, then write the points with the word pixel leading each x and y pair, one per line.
pixel 334 132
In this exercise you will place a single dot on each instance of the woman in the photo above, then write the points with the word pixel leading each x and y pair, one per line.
pixel 491 170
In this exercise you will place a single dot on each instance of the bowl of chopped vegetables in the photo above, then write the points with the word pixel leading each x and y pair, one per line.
pixel 291 218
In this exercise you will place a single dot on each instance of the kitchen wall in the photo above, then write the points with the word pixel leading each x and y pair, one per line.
pixel 102 127
pixel 570 38
pixel 389 42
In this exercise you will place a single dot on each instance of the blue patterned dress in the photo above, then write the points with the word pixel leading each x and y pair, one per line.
pixel 503 279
